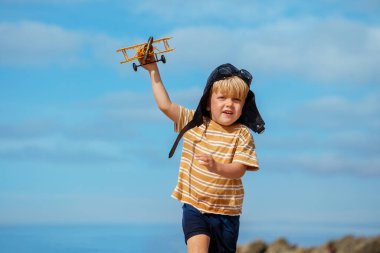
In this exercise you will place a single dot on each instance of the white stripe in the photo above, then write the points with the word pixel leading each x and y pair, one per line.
pixel 211 195
pixel 186 118
pixel 199 170
pixel 230 183
pixel 245 155
pixel 223 154
pixel 205 150
pixel 217 132
pixel 178 125
pixel 219 143
pixel 211 185
pixel 246 162
pixel 251 161
pixel 201 130
pixel 211 175
pixel 238 207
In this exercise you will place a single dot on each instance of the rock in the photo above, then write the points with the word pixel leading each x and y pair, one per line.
pixel 253 247
pixel 280 246
pixel 347 244
pixel 351 244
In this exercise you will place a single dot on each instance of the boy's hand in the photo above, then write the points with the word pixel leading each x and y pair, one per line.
pixel 228 170
pixel 150 66
pixel 207 161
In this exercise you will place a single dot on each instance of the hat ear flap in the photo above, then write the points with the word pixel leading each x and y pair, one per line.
pixel 251 116
pixel 205 108
pixel 250 96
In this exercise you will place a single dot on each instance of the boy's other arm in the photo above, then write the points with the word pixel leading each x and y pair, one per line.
pixel 161 96
pixel 228 170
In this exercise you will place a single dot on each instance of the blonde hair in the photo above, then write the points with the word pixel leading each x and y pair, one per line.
pixel 232 87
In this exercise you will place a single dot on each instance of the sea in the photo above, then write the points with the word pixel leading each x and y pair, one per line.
pixel 128 238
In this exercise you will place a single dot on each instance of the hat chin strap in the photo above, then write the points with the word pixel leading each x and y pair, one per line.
pixel 189 126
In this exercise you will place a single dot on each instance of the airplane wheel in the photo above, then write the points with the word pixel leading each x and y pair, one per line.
pixel 163 59
pixel 134 66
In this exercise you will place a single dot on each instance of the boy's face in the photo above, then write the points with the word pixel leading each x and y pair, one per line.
pixel 225 110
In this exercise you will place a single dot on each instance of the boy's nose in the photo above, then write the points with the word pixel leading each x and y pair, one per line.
pixel 228 101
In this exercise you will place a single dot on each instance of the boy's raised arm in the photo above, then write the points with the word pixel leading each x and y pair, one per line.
pixel 161 96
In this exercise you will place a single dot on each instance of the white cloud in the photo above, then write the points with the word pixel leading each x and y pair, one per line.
pixel 103 49
pixel 331 49
pixel 338 113
pixel 210 11
pixel 334 163
pixel 51 149
pixel 82 208
pixel 324 163
pixel 39 44
pixel 140 106
pixel 332 134
pixel 26 129
pixel 244 13
pixel 99 135
pixel 35 44
pixel 48 2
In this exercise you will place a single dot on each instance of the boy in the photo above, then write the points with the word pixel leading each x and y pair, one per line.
pixel 218 148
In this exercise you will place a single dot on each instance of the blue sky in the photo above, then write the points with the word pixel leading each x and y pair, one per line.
pixel 81 140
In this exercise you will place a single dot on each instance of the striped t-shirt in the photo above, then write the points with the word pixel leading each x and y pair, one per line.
pixel 205 190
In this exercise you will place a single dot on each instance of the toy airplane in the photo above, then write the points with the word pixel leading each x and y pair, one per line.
pixel 147 52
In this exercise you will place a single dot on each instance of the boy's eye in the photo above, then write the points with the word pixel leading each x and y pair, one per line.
pixel 221 97
pixel 236 99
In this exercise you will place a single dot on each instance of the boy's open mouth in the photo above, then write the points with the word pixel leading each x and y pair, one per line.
pixel 227 112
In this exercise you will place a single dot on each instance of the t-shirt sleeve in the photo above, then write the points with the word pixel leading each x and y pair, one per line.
pixel 246 151
pixel 185 116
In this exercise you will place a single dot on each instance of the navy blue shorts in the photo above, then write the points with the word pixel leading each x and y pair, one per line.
pixel 223 230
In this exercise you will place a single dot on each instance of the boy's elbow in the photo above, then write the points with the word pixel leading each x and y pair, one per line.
pixel 167 108
pixel 241 173
pixel 164 105
pixel 164 109
pixel 170 110
pixel 237 173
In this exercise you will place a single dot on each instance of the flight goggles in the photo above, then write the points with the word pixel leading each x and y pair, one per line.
pixel 228 70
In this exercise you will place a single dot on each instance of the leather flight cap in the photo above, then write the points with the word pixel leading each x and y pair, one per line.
pixel 250 115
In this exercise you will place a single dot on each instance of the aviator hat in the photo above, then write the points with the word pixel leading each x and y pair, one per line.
pixel 250 116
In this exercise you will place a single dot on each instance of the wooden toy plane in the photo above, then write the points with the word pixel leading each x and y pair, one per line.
pixel 147 52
